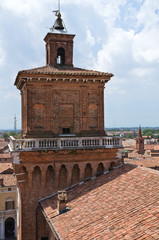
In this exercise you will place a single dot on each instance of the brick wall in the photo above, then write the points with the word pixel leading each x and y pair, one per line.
pixel 47 172
pixel 48 108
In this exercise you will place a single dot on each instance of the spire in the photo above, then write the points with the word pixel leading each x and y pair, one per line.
pixel 139 132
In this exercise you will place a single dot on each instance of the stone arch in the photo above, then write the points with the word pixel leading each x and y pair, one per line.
pixel 88 171
pixel 36 177
pixel 112 166
pixel 50 177
pixel 62 177
pixel 100 169
pixel 9 228
pixel 75 174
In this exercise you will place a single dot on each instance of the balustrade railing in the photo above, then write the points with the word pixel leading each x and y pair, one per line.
pixel 64 143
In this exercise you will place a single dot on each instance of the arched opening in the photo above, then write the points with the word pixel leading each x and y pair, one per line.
pixel 100 169
pixel 61 56
pixel 9 228
pixel 25 175
pixel 50 174
pixel 112 166
pixel 36 178
pixel 75 174
pixel 62 177
pixel 88 171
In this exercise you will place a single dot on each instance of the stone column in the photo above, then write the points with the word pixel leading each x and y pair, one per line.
pixel 2 232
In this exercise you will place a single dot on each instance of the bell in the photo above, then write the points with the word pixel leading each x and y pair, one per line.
pixel 58 25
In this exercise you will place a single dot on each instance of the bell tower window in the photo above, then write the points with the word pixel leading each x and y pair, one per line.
pixel 61 56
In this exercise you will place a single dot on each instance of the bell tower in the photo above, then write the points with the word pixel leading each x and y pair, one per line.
pixel 63 138
pixel 59 44
pixel 140 142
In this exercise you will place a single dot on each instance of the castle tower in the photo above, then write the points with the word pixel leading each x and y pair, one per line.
pixel 140 142
pixel 63 138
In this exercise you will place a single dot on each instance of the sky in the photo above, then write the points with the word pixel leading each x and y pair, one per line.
pixel 116 36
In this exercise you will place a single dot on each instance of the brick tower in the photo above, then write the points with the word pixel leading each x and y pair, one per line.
pixel 140 142
pixel 63 138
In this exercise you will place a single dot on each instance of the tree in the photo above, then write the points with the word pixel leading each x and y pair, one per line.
pixel 5 135
pixel 12 133
pixel 129 135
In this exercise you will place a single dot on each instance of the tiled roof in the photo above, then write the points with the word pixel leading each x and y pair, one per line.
pixel 64 70
pixel 151 162
pixel 8 180
pixel 123 204
pixel 5 166
pixel 3 144
pixel 151 146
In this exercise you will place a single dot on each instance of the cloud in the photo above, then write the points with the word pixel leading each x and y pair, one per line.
pixel 90 38
pixel 118 36
pixel 2 55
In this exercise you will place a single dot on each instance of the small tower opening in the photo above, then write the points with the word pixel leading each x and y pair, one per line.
pixel 61 56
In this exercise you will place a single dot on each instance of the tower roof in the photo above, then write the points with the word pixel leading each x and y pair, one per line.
pixel 139 132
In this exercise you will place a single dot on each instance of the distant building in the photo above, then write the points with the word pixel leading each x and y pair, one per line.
pixel 140 142
pixel 5 158
pixel 4 146
pixel 8 204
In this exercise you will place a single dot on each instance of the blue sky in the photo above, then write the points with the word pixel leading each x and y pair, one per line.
pixel 117 36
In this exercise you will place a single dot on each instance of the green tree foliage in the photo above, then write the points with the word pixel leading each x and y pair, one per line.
pixel 5 135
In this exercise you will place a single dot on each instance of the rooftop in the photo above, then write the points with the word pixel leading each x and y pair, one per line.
pixel 120 205
pixel 8 180
pixel 64 70
pixel 5 166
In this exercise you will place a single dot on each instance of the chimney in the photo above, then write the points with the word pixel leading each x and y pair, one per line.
pixel 61 201
pixel 1 182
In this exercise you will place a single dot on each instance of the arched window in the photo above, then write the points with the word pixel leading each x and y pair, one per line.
pixel 62 177
pixel 112 166
pixel 100 169
pixel 9 228
pixel 9 204
pixel 36 177
pixel 50 177
pixel 61 56
pixel 75 174
pixel 88 171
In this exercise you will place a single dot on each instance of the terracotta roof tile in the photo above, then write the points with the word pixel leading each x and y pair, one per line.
pixel 150 162
pixel 5 166
pixel 151 146
pixel 8 179
pixel 3 144
pixel 120 205
pixel 64 70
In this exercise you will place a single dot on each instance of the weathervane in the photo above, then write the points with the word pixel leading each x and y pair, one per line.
pixel 59 24
pixel 57 12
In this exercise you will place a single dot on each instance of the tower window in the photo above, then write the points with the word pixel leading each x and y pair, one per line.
pixel 61 56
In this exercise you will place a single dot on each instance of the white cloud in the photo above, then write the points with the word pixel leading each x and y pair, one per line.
pixel 90 38
pixel 2 55
pixel 118 36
